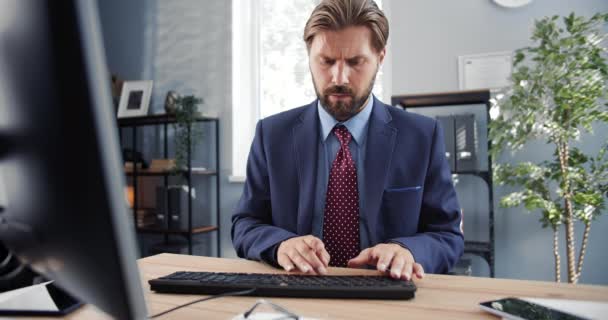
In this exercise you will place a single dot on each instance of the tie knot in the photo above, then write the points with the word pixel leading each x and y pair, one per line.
pixel 343 135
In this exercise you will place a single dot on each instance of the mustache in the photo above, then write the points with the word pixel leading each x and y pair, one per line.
pixel 338 90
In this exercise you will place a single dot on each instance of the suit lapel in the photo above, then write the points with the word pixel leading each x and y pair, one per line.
pixel 305 140
pixel 380 144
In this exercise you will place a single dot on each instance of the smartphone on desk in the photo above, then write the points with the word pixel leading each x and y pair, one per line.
pixel 518 309
pixel 44 299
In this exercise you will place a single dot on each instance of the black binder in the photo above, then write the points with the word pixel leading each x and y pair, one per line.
pixel 447 122
pixel 161 207
pixel 178 207
pixel 177 219
pixel 466 143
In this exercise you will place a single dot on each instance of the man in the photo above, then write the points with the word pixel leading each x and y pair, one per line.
pixel 347 180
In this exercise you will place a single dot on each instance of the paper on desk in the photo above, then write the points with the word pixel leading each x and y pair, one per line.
pixel 36 298
pixel 266 316
pixel 585 309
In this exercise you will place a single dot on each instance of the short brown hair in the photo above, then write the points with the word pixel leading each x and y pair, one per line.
pixel 336 15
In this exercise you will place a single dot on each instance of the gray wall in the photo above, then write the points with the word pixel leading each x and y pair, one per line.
pixel 185 45
pixel 427 37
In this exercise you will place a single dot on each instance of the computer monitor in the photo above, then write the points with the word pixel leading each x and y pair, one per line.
pixel 64 210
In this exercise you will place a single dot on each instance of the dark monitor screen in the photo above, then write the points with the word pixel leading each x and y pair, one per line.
pixel 64 211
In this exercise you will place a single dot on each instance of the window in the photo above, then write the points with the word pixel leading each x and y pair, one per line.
pixel 270 67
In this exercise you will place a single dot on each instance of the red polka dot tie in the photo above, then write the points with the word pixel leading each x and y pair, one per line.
pixel 341 217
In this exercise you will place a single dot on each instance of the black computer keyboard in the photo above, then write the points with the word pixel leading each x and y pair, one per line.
pixel 285 285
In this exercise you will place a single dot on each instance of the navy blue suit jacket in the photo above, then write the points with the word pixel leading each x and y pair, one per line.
pixel 410 198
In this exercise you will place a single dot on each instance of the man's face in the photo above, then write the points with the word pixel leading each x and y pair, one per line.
pixel 344 66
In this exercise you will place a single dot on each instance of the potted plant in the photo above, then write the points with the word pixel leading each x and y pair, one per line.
pixel 558 86
pixel 186 134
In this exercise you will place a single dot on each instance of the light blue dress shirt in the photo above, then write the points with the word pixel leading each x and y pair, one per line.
pixel 328 149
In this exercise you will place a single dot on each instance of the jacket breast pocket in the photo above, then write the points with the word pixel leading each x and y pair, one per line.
pixel 401 211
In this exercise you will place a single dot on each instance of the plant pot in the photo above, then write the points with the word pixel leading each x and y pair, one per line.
pixel 171 102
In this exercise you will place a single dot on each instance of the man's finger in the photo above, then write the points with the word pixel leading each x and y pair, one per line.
pixel 407 271
pixel 418 270
pixel 311 257
pixel 319 248
pixel 326 257
pixel 397 266
pixel 315 243
pixel 363 259
pixel 285 262
pixel 384 260
pixel 300 262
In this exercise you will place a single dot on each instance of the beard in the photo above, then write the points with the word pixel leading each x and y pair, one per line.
pixel 343 110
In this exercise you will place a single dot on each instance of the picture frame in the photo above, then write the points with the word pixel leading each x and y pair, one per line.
pixel 490 70
pixel 135 98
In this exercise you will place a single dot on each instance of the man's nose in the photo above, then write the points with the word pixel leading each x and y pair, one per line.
pixel 340 72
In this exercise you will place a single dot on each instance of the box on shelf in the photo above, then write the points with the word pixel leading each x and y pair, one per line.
pixel 145 218
pixel 129 165
pixel 162 164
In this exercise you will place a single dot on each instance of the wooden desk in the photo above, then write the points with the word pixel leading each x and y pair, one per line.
pixel 438 296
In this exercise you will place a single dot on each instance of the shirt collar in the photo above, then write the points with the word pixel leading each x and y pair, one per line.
pixel 355 125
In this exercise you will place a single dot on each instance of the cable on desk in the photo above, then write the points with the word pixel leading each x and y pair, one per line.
pixel 226 294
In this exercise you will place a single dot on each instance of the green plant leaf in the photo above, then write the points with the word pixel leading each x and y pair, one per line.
pixel 187 133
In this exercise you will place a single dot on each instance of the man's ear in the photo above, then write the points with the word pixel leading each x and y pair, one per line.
pixel 381 56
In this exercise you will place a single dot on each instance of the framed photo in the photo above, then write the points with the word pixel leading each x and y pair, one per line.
pixel 135 99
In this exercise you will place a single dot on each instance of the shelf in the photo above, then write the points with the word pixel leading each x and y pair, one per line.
pixel 443 98
pixel 164 172
pixel 479 247
pixel 156 119
pixel 164 169
pixel 438 104
pixel 483 174
pixel 476 172
pixel 197 230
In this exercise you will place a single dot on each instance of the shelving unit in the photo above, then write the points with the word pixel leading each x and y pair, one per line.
pixel 484 249
pixel 164 120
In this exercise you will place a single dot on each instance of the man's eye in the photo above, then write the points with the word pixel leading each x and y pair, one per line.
pixel 353 62
pixel 328 62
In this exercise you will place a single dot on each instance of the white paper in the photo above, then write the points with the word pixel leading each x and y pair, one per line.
pixel 35 298
pixel 265 316
pixel 585 309
pixel 484 71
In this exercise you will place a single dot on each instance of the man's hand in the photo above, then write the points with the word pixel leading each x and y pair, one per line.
pixel 306 253
pixel 385 255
